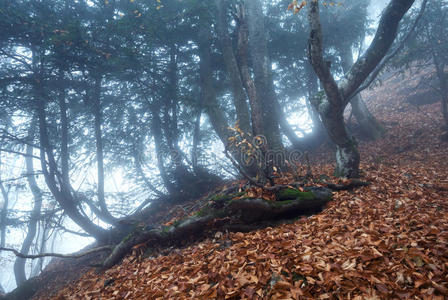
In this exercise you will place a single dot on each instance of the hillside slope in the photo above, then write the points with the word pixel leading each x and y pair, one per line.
pixel 386 240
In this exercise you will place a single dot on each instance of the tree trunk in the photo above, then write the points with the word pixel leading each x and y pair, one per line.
pixel 440 69
pixel 196 140
pixel 208 96
pixel 5 197
pixel 347 155
pixel 65 156
pixel 60 190
pixel 3 214
pixel 170 116
pixel 158 143
pixel 239 96
pixel 97 113
pixel 318 135
pixel 331 105
pixel 249 85
pixel 42 249
pixel 261 67
pixel 286 128
pixel 368 125
pixel 19 264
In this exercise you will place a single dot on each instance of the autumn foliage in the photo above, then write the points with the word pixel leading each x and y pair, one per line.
pixel 386 240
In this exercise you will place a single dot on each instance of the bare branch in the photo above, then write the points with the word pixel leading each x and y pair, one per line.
pixel 21 255
pixel 19 153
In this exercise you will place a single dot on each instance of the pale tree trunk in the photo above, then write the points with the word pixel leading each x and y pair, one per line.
pixel 369 126
pixel 19 264
pixel 208 96
pixel 42 248
pixel 318 135
pixel 208 93
pixel 3 214
pixel 256 109
pixel 332 102
pixel 5 202
pixel 249 85
pixel 230 60
pixel 258 52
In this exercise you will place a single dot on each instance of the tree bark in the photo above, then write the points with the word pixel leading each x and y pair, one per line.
pixel 249 85
pixel 261 67
pixel 319 134
pixel 196 140
pixel 370 128
pixel 60 190
pixel 156 129
pixel 3 214
pixel 239 95
pixel 440 70
pixel 65 156
pixel 170 125
pixel 208 95
pixel 19 264
pixel 331 105
pixel 97 113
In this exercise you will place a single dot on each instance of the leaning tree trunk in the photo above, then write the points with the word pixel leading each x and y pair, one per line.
pixel 249 85
pixel 331 105
pixel 318 135
pixel 60 189
pixel 19 264
pixel 258 52
pixel 156 125
pixel 230 60
pixel 105 215
pixel 208 97
pixel 369 126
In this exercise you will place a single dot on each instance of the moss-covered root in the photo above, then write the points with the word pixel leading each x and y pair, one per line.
pixel 244 210
pixel 186 227
pixel 295 203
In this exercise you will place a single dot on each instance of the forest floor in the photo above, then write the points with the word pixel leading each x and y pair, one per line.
pixel 384 241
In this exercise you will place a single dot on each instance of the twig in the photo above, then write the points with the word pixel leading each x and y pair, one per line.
pixel 274 188
pixel 247 176
pixel 21 255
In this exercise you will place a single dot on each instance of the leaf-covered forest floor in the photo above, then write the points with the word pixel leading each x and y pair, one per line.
pixel 384 241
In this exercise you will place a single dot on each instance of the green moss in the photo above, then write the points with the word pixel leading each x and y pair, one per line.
pixel 165 229
pixel 224 198
pixel 176 223
pixel 126 238
pixel 292 194
pixel 203 212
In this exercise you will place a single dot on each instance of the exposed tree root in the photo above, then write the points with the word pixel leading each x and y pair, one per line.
pixel 228 210
pixel 245 212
